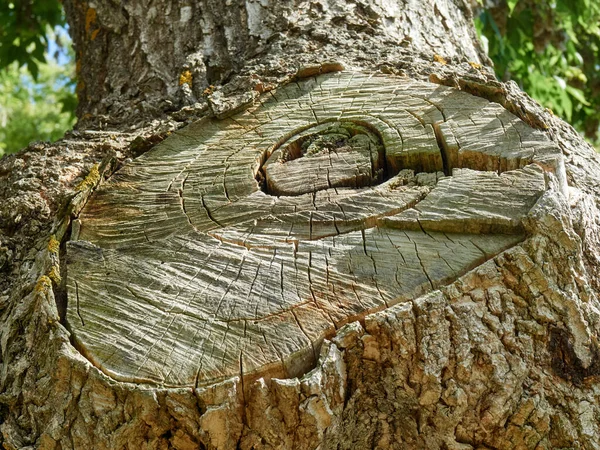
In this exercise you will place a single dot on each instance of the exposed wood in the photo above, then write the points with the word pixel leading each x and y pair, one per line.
pixel 505 356
pixel 236 246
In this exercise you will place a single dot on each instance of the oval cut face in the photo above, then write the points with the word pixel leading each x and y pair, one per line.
pixel 235 246
pixel 331 155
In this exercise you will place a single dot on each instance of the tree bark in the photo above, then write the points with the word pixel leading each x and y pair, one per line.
pixel 363 240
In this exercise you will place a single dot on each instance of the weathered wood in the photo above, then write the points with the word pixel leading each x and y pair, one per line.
pixel 503 357
pixel 236 246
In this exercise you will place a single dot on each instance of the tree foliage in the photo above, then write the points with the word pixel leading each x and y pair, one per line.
pixel 552 49
pixel 37 100
pixel 33 109
pixel 23 36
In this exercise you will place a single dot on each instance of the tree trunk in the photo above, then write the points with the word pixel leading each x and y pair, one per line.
pixel 363 240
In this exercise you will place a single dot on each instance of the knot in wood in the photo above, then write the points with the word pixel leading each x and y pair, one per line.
pixel 235 246
pixel 329 155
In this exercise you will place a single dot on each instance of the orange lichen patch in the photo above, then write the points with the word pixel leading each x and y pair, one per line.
pixel 185 78
pixel 94 34
pixel 209 90
pixel 440 59
pixel 90 19
pixel 260 86
pixel 475 65
pixel 53 245
pixel 311 71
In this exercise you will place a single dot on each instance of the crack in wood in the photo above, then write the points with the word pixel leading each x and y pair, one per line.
pixel 565 362
pixel 78 310
pixel 441 143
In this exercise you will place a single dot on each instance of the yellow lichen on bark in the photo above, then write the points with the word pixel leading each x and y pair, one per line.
pixel 54 274
pixel 43 284
pixel 185 78
pixel 53 245
pixel 440 59
pixel 90 180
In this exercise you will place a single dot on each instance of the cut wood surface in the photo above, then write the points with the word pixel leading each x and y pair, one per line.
pixel 236 246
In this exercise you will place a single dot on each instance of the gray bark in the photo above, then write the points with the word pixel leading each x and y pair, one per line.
pixel 502 355
pixel 135 56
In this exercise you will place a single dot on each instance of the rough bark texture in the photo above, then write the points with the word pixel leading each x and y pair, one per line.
pixel 501 356
pixel 140 59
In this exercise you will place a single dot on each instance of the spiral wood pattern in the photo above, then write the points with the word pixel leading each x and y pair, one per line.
pixel 235 246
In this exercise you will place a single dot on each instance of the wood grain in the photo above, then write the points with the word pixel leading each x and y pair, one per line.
pixel 236 246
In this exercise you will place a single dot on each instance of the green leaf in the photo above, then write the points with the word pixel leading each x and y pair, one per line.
pixel 577 94
pixel 33 69
pixel 511 6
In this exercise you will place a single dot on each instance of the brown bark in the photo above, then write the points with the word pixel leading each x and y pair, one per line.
pixel 506 356
pixel 139 60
